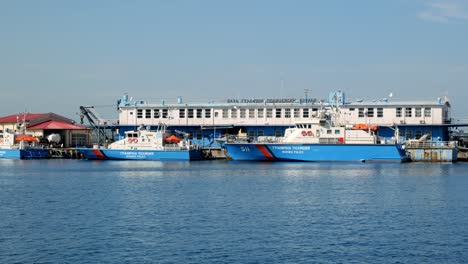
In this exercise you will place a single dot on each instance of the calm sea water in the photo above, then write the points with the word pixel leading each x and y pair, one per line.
pixel 75 211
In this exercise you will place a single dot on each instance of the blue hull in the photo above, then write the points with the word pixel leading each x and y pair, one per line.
pixel 116 154
pixel 18 154
pixel 315 152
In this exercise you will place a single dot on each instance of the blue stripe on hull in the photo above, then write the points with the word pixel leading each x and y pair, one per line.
pixel 113 154
pixel 18 154
pixel 316 152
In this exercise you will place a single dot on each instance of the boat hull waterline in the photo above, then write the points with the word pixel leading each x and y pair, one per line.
pixel 116 154
pixel 18 154
pixel 316 152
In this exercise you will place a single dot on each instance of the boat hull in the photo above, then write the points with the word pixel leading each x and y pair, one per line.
pixel 18 154
pixel 315 152
pixel 119 154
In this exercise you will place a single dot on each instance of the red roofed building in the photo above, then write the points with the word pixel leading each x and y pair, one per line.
pixel 44 125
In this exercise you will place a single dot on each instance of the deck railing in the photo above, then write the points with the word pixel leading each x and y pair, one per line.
pixel 431 144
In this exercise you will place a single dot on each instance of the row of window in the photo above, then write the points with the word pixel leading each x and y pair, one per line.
pixel 275 112
pixel 418 111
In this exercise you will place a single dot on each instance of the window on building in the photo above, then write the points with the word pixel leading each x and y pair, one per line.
pixel 429 135
pixel 337 131
pixel 78 139
pixel 417 134
pixel 225 113
pixel 251 113
pixel 139 113
pixel 260 113
pixel 379 112
pixel 190 113
pixel 408 111
pixel 251 133
pixel 156 113
pixel 287 112
pixel 427 112
pixel 278 112
pixel 182 113
pixel 148 113
pixel 207 113
pixel 164 113
pixel 269 113
pixel 199 113
pixel 352 109
pixel 242 113
pixel 329 131
pixel 408 134
pixel 370 112
pixel 305 113
pixel 398 112
pixel 360 112
pixel 233 113
pixel 417 112
pixel 278 133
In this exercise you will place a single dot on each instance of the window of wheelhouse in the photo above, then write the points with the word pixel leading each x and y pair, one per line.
pixel 287 112
pixel 164 113
pixel 305 113
pixel 148 113
pixel 190 113
pixel 139 113
pixel 199 113
pixel 207 113
pixel 370 112
pixel 269 113
pixel 260 133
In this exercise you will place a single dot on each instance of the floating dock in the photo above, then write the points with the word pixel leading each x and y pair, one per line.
pixel 432 151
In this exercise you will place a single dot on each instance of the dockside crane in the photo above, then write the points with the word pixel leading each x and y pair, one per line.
pixel 98 124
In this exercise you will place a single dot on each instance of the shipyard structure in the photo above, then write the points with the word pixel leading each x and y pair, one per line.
pixel 405 121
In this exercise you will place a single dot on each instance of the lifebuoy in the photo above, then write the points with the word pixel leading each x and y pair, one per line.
pixel 309 133
pixel 304 133
pixel 133 140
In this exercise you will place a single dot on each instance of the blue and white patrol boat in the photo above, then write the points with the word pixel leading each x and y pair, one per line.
pixel 319 139
pixel 21 146
pixel 144 144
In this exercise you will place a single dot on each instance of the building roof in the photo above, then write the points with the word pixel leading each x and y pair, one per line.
pixel 42 121
pixel 56 125
pixel 18 118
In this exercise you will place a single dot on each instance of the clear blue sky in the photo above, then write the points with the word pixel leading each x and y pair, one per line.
pixel 58 55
